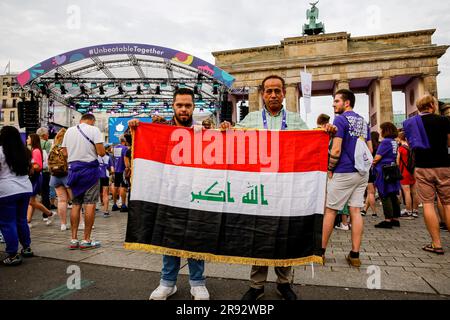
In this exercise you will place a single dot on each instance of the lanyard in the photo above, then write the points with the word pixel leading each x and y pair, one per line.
pixel 283 124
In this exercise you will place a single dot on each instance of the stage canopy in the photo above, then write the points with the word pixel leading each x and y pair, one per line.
pixel 126 78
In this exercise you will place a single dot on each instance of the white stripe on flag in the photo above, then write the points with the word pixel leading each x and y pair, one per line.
pixel 286 195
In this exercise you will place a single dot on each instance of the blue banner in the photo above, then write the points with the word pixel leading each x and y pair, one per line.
pixel 118 126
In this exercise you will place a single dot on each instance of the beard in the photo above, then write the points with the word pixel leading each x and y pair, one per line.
pixel 184 123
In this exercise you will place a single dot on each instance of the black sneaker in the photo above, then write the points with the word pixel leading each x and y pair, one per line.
pixel 13 260
pixel 443 226
pixel 286 292
pixel 363 213
pixel 395 223
pixel 253 294
pixel 27 253
pixel 384 225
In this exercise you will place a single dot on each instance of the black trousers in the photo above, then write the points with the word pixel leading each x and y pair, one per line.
pixel 45 191
pixel 391 206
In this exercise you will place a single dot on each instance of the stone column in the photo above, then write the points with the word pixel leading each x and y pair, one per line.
pixel 374 105
pixel 413 91
pixel 341 84
pixel 386 107
pixel 292 97
pixel 254 99
pixel 430 84
pixel 233 100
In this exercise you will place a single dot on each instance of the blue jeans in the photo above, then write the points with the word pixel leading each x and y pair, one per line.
pixel 13 222
pixel 171 267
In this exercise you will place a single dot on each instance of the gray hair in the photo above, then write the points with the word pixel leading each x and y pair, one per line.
pixel 42 132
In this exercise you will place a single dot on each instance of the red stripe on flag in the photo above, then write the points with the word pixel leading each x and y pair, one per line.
pixel 263 151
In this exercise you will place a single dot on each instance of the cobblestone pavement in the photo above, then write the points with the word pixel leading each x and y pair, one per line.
pixel 403 265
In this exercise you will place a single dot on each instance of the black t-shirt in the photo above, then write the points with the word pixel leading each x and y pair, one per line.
pixel 128 154
pixel 438 129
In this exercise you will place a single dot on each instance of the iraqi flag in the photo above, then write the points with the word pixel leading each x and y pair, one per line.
pixel 243 197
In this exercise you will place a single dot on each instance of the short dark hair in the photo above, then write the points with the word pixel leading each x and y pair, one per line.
pixel 274 76
pixel 183 92
pixel 347 95
pixel 389 130
pixel 323 119
pixel 88 116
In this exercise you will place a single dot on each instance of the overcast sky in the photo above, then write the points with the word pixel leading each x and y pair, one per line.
pixel 32 31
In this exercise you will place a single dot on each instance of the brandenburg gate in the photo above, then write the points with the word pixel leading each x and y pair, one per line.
pixel 375 65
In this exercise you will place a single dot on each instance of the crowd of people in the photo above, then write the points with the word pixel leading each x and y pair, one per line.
pixel 84 171
pixel 55 170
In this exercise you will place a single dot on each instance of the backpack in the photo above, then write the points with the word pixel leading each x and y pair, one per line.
pixel 363 156
pixel 410 165
pixel 57 163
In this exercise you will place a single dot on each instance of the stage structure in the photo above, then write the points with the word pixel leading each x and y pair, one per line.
pixel 124 80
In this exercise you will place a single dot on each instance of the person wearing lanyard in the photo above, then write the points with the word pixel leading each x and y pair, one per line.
pixel 272 117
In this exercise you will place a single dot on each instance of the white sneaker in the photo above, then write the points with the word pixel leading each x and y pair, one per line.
pixel 45 219
pixel 63 227
pixel 200 293
pixel 162 293
pixel 344 227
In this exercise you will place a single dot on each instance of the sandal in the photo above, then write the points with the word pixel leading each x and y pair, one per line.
pixel 433 249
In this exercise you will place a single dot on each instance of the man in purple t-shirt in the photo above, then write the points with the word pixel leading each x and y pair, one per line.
pixel 346 184
pixel 120 184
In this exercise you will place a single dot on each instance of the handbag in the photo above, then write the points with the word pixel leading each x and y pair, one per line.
pixel 391 173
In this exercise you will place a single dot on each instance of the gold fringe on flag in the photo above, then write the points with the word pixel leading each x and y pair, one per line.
pixel 223 259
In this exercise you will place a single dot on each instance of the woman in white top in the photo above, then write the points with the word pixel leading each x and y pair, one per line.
pixel 15 192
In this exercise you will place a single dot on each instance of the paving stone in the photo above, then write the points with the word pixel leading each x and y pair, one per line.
pixel 403 264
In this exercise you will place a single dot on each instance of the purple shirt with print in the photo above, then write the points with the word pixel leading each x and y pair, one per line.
pixel 350 126
pixel 119 154
pixel 388 151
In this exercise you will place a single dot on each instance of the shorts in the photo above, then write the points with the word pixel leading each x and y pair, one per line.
pixel 89 197
pixel 346 188
pixel 432 181
pixel 104 182
pixel 119 181
pixel 56 182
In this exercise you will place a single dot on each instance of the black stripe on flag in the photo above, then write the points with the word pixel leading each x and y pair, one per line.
pixel 224 234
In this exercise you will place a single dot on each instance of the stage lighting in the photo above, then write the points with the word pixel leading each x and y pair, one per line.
pixel 158 90
pixel 120 90
pixel 83 89
pixel 102 91
pixel 139 90
pixel 63 90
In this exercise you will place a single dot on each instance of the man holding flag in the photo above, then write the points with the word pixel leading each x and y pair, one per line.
pixel 272 117
pixel 183 107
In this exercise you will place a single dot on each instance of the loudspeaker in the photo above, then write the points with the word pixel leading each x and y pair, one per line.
pixel 28 113
pixel 226 110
